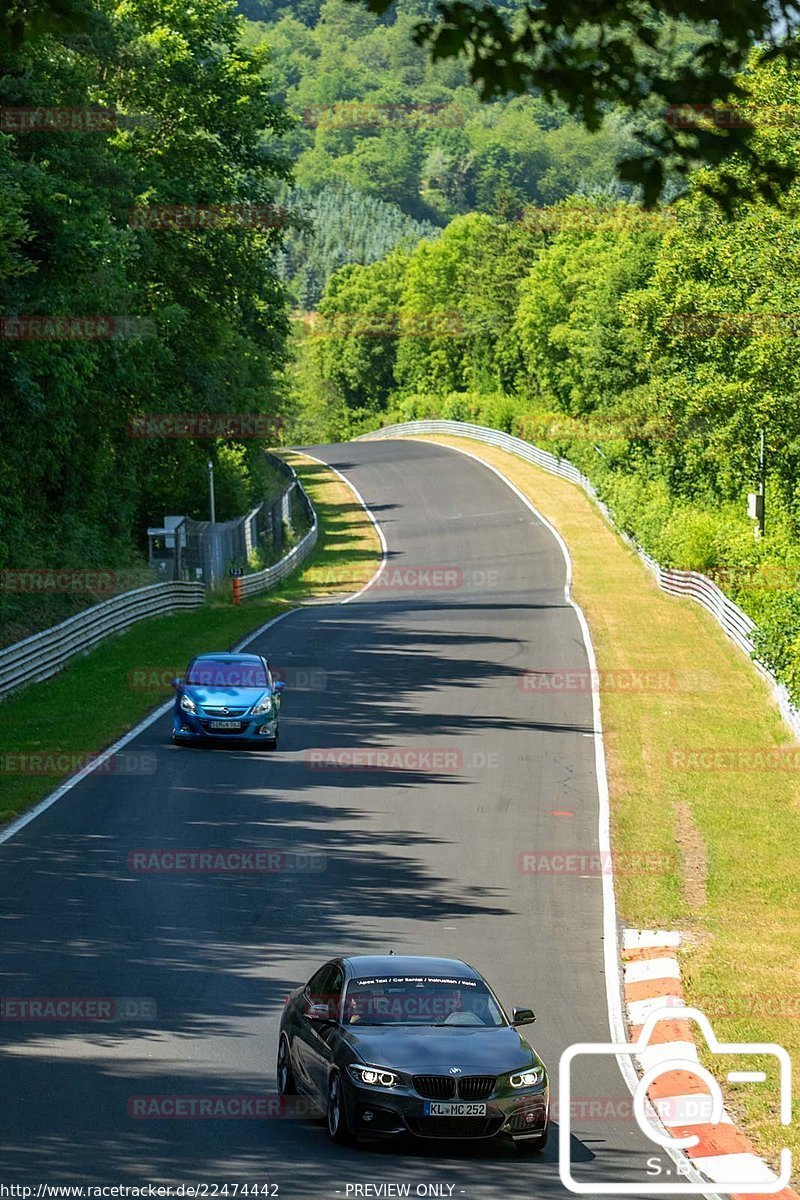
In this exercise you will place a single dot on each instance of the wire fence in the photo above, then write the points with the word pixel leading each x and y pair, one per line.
pixel 736 623
pixel 44 654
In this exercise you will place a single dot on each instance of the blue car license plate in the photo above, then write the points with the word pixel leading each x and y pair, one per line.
pixel 224 724
pixel 440 1108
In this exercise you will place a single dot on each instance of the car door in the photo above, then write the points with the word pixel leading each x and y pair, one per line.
pixel 313 1040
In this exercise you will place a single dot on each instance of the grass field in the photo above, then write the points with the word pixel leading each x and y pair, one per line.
pixel 726 841
pixel 97 697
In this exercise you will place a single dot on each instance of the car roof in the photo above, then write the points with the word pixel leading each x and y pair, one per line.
pixel 409 964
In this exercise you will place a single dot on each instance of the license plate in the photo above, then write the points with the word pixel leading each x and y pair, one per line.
pixel 438 1108
pixel 224 724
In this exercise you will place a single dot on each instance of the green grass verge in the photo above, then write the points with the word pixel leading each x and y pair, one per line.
pixel 724 844
pixel 98 696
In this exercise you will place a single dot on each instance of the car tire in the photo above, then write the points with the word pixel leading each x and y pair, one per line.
pixel 534 1145
pixel 283 1070
pixel 336 1113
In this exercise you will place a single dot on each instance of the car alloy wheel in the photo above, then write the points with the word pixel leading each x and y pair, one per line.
pixel 286 1084
pixel 337 1117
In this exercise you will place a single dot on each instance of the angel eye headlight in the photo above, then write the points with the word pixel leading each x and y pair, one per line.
pixel 529 1078
pixel 375 1076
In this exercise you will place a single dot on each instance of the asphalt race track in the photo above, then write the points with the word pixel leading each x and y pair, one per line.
pixel 422 860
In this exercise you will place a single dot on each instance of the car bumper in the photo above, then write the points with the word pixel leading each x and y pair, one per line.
pixel 189 728
pixel 378 1112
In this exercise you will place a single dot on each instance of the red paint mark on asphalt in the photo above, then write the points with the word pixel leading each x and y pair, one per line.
pixel 557 812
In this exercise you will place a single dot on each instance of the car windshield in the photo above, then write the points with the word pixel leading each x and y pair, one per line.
pixel 217 673
pixel 420 1000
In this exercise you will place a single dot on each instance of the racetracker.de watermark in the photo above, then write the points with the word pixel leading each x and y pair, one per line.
pixel 74 583
pixel 735 758
pixel 440 759
pixel 242 1106
pixel 732 116
pixel 77 1008
pixel 225 862
pixel 67 762
pixel 297 679
pixel 207 216
pixel 15 119
pixel 581 680
pixel 732 324
pixel 593 217
pixel 535 428
pixel 205 425
pixel 366 114
pixel 387 325
pixel 594 863
pixel 66 328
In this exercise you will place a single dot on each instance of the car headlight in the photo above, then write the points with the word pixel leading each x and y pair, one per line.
pixel 264 705
pixel 188 704
pixel 376 1076
pixel 528 1078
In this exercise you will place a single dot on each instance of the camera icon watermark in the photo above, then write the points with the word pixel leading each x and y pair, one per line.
pixel 656 1118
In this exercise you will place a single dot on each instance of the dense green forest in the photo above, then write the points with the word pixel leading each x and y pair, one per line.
pixel 193 319
pixel 444 255
pixel 599 331
pixel 375 119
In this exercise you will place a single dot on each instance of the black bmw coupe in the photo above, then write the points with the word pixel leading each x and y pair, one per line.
pixel 388 1045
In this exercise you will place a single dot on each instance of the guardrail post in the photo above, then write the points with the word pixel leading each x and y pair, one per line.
pixel 237 591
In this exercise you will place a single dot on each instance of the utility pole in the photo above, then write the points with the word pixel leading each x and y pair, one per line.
pixel 762 480
pixel 211 491
pixel 757 501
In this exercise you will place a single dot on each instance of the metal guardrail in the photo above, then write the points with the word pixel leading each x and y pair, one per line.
pixel 736 623
pixel 43 654
pixel 262 581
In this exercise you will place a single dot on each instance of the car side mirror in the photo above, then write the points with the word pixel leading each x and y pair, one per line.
pixel 523 1016
pixel 278 685
pixel 318 1012
pixel 175 684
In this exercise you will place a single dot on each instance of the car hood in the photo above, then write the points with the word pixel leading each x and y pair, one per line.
pixel 431 1050
pixel 209 697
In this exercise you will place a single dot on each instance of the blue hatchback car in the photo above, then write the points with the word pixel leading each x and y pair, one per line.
pixel 227 696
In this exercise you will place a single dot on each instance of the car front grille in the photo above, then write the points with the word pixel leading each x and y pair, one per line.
pixel 435 1087
pixel 224 712
pixel 442 1087
pixel 476 1087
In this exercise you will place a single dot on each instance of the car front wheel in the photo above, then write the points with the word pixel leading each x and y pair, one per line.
pixel 286 1084
pixel 337 1116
